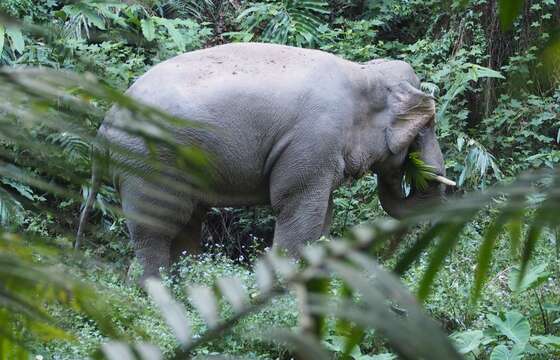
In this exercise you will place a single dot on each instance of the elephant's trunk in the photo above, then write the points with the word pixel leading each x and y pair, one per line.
pixel 398 205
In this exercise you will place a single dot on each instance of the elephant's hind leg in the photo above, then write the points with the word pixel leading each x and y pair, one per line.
pixel 151 247
pixel 155 215
pixel 187 241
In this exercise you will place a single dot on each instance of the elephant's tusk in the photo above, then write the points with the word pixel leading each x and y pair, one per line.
pixel 445 180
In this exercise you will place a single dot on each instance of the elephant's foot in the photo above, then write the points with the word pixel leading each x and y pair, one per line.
pixel 152 262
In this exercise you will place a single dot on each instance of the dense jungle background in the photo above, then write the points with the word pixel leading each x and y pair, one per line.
pixel 494 68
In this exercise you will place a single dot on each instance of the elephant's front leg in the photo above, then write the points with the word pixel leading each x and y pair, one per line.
pixel 303 215
pixel 300 222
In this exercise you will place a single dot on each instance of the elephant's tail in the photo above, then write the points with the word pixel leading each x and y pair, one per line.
pixel 96 172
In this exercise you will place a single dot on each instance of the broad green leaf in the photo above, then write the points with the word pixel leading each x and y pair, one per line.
pixel 515 327
pixel 23 189
pixel 353 333
pixel 10 208
pixel 148 29
pixel 16 38
pixel 515 227
pixel 312 287
pixel 502 352
pixel 547 340
pixel 419 246
pixel 468 341
pixel 95 19
pixel 352 342
pixel 477 71
pixel 172 30
pixel 533 278
pixel 295 22
pixel 533 235
pixel 402 332
pixel 448 240
pixel 173 312
pixel 485 255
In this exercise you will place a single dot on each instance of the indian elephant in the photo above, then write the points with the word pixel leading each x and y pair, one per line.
pixel 283 126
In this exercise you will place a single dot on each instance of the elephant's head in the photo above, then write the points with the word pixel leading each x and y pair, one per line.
pixel 409 126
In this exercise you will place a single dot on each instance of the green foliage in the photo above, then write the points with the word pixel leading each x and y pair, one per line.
pixel 465 74
pixel 179 30
pixel 533 278
pixel 216 12
pixel 508 337
pixel 417 172
pixel 82 18
pixel 525 131
pixel 350 266
pixel 478 162
pixel 28 286
pixel 513 326
pixel 355 204
pixel 353 40
pixel 291 22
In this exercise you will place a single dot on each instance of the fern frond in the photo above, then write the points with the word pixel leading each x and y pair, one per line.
pixel 27 288
pixel 74 146
pixel 286 22
pixel 416 172
pixel 478 163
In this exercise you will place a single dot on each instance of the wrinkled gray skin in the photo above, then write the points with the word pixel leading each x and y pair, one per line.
pixel 287 126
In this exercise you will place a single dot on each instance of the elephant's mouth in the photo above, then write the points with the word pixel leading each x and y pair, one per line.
pixel 398 202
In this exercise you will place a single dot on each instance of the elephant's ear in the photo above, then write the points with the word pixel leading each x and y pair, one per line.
pixel 412 110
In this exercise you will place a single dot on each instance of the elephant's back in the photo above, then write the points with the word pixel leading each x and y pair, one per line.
pixel 247 74
pixel 252 63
